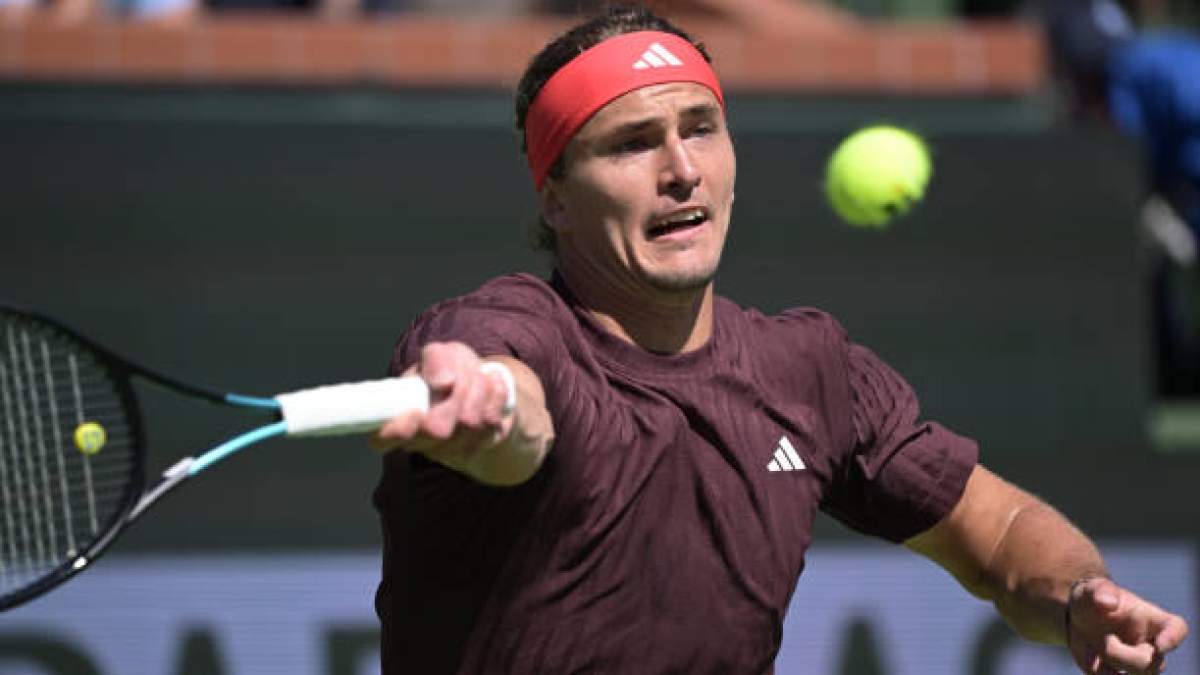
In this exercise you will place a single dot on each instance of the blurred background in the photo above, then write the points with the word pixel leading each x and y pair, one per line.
pixel 259 195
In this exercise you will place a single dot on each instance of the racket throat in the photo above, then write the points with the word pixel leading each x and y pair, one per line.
pixel 173 476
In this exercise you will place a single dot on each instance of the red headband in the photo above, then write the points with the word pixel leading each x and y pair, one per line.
pixel 591 80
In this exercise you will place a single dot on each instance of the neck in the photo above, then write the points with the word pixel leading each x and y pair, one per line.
pixel 665 322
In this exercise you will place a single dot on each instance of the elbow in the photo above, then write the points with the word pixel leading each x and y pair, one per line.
pixel 995 579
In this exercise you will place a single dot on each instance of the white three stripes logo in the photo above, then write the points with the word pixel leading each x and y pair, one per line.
pixel 786 457
pixel 657 56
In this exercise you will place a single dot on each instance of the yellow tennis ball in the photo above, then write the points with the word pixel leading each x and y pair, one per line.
pixel 90 438
pixel 876 174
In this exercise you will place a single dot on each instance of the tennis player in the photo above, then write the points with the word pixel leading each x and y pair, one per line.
pixel 620 469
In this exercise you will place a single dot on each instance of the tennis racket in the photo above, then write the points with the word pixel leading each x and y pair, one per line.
pixel 72 448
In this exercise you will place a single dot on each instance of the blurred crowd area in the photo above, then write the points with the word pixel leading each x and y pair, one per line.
pixel 802 15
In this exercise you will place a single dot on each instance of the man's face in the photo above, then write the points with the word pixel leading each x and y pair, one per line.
pixel 646 197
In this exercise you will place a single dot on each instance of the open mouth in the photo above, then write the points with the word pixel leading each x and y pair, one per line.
pixel 678 221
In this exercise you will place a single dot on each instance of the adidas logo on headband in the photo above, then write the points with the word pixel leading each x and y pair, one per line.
pixel 657 56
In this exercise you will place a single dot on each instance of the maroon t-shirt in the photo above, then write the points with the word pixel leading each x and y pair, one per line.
pixel 666 530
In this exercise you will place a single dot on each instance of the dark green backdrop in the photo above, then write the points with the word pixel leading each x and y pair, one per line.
pixel 260 241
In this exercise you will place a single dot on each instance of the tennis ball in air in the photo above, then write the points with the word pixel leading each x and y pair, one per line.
pixel 876 174
pixel 90 438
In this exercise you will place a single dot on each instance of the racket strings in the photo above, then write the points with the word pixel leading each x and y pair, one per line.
pixel 55 498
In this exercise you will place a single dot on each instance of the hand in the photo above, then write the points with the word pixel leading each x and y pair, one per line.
pixel 467 409
pixel 1111 630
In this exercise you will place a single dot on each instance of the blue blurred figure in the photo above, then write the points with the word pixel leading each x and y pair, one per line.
pixel 1147 84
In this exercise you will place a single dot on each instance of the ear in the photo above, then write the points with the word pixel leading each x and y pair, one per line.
pixel 553 209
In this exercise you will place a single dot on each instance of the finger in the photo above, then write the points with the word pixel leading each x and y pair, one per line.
pixel 1138 658
pixel 452 372
pixel 1096 607
pixel 1102 597
pixel 1138 621
pixel 437 368
pixel 396 433
pixel 1170 634
pixel 475 401
pixel 441 421
pixel 1092 661
pixel 443 364
pixel 456 429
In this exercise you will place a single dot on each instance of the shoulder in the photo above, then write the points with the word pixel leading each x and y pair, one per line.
pixel 812 322
pixel 520 306
pixel 519 292
pixel 518 301
pixel 516 314
pixel 800 347
pixel 794 327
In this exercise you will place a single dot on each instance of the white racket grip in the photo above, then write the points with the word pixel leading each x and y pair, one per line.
pixel 351 408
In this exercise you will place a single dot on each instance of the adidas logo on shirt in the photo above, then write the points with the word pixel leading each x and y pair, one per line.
pixel 786 458
pixel 657 56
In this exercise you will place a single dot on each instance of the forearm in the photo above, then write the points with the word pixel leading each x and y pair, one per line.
pixel 1005 545
pixel 1029 574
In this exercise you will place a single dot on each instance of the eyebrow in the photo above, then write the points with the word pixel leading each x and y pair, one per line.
pixel 702 110
pixel 699 110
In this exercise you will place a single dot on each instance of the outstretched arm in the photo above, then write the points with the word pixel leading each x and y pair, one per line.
pixel 467 427
pixel 1007 546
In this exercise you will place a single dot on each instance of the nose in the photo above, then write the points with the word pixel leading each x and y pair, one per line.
pixel 679 172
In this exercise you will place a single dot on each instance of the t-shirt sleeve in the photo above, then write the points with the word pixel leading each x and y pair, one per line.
pixel 901 475
pixel 512 321
pixel 510 316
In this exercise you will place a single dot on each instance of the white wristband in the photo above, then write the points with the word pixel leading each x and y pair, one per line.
pixel 510 384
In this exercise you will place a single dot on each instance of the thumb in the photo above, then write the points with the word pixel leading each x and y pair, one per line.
pixel 1107 602
pixel 1093 599
pixel 1106 596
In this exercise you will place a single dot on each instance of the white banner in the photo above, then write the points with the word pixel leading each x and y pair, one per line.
pixel 311 614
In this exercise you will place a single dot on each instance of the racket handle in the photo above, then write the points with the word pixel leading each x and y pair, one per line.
pixel 351 408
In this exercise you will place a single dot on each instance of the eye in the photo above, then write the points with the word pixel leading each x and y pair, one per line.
pixel 631 144
pixel 703 129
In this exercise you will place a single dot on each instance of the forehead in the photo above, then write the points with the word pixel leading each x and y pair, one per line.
pixel 646 104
